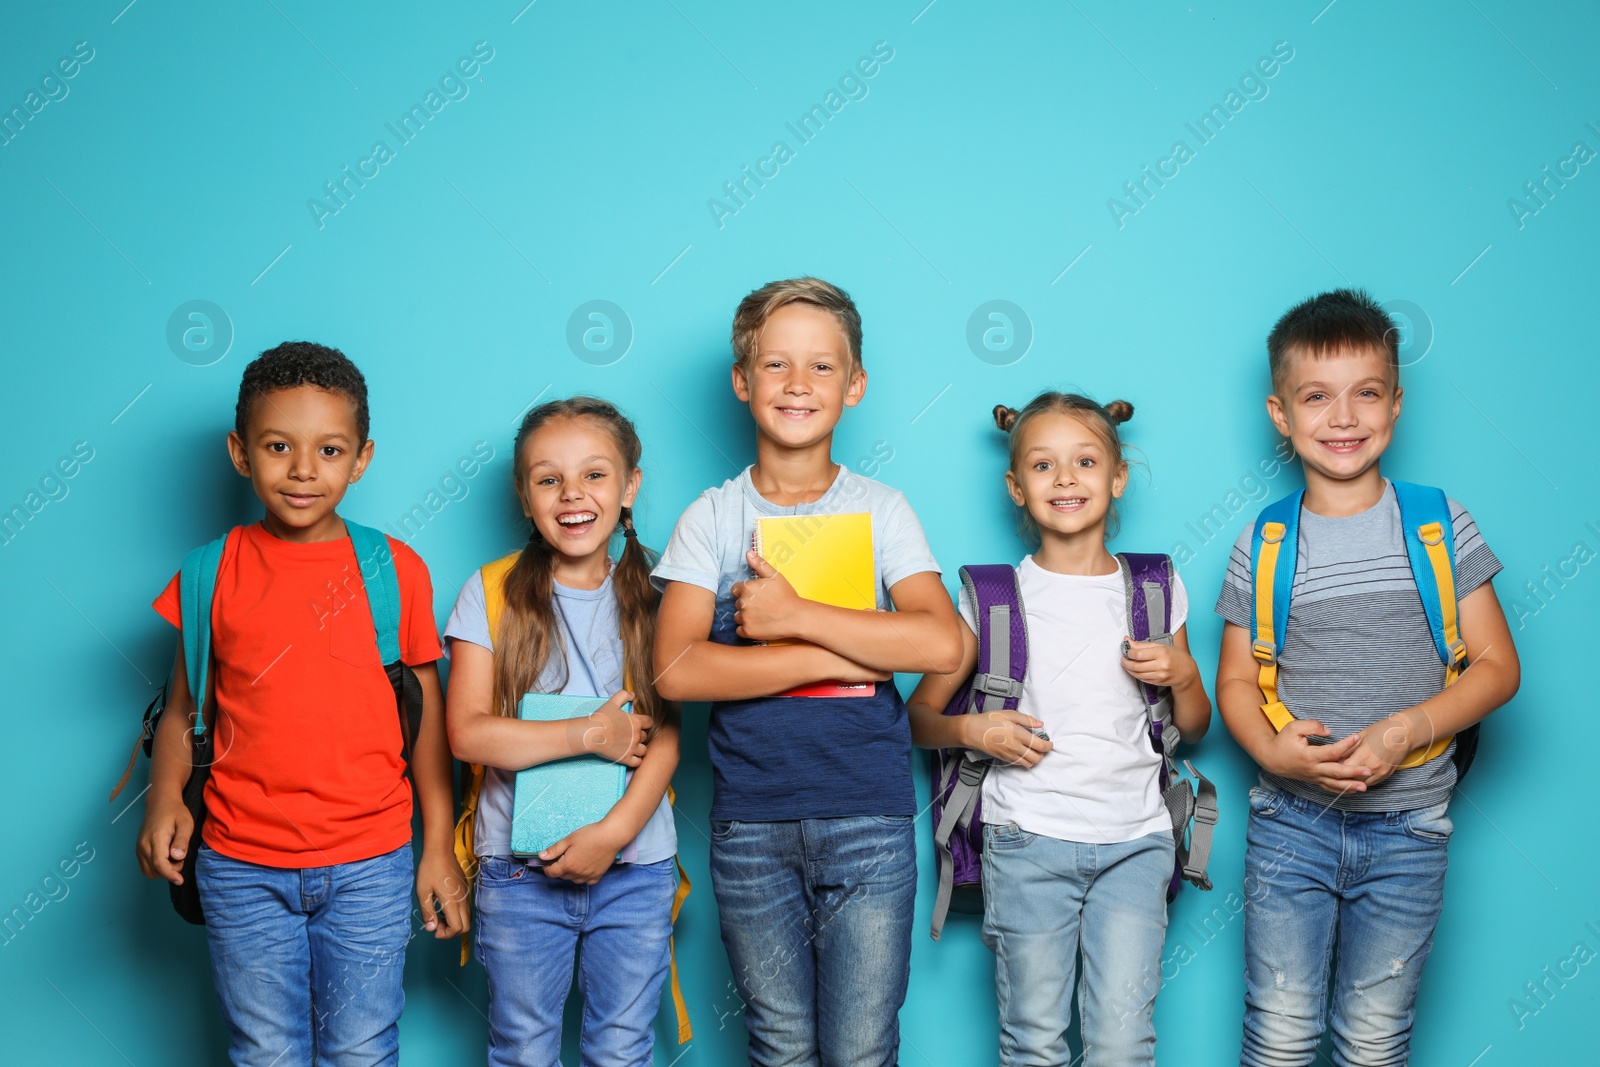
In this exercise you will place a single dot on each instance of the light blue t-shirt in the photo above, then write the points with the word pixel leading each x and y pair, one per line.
pixel 779 758
pixel 591 636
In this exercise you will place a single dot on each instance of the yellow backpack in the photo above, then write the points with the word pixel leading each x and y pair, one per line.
pixel 494 598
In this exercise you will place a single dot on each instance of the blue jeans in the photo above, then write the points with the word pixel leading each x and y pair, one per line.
pixel 816 918
pixel 1045 901
pixel 307 963
pixel 1357 892
pixel 530 925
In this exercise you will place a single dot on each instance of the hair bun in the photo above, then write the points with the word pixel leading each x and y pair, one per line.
pixel 1120 411
pixel 1004 417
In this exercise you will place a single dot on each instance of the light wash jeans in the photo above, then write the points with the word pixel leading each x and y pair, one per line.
pixel 1046 900
pixel 816 918
pixel 307 962
pixel 1357 893
pixel 530 925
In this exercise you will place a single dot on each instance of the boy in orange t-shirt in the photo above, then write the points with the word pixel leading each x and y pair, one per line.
pixel 305 869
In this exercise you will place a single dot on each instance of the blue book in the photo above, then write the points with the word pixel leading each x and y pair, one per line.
pixel 553 799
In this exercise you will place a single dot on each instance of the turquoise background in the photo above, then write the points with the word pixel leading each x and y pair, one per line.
pixel 978 166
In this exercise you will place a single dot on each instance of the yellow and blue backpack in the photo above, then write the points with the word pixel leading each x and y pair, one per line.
pixel 1430 548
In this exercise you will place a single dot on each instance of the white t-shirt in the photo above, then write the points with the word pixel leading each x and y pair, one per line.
pixel 1100 783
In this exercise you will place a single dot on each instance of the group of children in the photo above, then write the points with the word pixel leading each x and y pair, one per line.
pixel 1331 680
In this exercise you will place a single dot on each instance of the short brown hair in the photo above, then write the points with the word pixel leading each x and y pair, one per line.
pixel 1327 323
pixel 755 309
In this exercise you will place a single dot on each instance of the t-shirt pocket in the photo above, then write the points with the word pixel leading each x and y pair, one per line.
pixel 351 638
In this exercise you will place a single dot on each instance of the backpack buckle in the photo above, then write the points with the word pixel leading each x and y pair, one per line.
pixel 1264 652
pixel 1458 652
pixel 997 685
pixel 1430 533
pixel 972 773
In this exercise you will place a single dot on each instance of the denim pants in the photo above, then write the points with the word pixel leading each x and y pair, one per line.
pixel 816 918
pixel 1045 901
pixel 529 927
pixel 307 962
pixel 1355 892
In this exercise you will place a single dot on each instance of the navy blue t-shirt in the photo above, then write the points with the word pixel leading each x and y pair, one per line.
pixel 781 758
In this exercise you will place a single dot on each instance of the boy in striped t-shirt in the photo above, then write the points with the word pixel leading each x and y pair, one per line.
pixel 1346 853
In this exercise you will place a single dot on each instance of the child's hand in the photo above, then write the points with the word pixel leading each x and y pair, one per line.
pixel 1291 755
pixel 442 893
pixel 617 735
pixel 1382 747
pixel 164 838
pixel 766 607
pixel 583 855
pixel 1007 736
pixel 1157 664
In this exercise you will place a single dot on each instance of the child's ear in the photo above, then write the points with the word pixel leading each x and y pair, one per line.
pixel 741 384
pixel 1014 489
pixel 856 389
pixel 1398 393
pixel 630 494
pixel 238 453
pixel 1119 484
pixel 363 457
pixel 1277 413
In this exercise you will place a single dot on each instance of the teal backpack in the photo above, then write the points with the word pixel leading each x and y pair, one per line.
pixel 197 585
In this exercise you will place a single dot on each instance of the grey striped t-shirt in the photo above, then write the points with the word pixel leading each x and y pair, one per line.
pixel 1358 647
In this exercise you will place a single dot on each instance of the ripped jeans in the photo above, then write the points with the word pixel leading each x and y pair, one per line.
pixel 1357 893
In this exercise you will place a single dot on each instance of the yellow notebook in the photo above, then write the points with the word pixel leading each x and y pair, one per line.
pixel 827 558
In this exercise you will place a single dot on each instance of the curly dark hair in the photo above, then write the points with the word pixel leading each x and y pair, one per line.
pixel 296 363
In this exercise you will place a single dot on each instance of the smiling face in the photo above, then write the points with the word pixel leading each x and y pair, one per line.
pixel 301 450
pixel 1338 410
pixel 574 485
pixel 1064 475
pixel 800 377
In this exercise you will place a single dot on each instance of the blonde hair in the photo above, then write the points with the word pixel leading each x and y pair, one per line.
pixel 755 309
pixel 1102 421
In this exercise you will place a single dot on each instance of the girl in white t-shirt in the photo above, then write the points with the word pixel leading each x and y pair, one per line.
pixel 1077 847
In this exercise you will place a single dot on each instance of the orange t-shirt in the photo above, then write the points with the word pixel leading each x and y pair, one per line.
pixel 309 769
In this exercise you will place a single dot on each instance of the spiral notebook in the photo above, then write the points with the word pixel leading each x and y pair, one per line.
pixel 827 558
pixel 553 799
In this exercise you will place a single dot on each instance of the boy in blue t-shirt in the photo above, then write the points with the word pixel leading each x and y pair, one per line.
pixel 812 852
pixel 1348 828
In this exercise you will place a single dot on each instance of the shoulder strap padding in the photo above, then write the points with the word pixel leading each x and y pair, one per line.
pixel 1431 549
pixel 1274 551
pixel 1002 635
pixel 197 587
pixel 376 563
pixel 494 590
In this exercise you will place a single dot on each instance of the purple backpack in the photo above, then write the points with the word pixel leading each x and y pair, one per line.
pixel 996 685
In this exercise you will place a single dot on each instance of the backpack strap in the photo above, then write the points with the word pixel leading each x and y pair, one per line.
pixel 382 582
pixel 493 576
pixel 1274 550
pixel 197 587
pixel 1430 548
pixel 1147 582
pixel 997 684
pixel 1147 579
